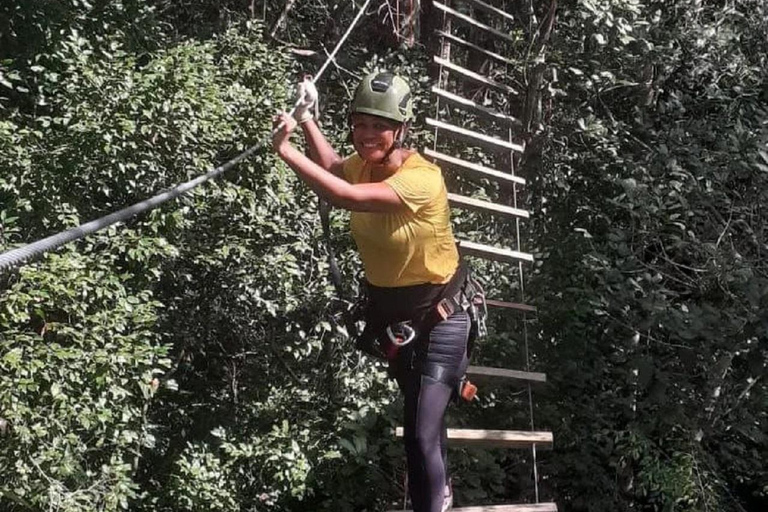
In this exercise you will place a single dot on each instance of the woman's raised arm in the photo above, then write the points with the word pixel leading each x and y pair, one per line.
pixel 368 197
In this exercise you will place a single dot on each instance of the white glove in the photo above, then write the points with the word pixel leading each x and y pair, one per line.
pixel 306 100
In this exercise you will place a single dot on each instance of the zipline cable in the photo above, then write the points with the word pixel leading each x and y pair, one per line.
pixel 15 257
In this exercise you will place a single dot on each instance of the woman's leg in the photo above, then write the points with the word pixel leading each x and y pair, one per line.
pixel 444 450
pixel 426 399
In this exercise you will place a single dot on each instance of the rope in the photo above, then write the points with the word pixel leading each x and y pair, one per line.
pixel 18 256
pixel 333 268
pixel 444 54
pixel 341 41
pixel 525 324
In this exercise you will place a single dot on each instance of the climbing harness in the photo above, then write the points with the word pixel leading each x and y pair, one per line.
pixel 15 257
pixel 462 293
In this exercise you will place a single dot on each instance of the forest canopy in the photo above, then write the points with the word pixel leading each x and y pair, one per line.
pixel 194 357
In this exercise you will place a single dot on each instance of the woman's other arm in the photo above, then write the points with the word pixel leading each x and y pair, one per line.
pixel 320 150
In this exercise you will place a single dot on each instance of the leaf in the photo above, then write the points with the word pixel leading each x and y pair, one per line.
pixel 347 445
pixel 645 371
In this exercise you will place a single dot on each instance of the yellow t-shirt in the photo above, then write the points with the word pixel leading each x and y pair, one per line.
pixel 415 246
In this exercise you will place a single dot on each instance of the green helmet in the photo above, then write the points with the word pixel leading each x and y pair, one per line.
pixel 385 95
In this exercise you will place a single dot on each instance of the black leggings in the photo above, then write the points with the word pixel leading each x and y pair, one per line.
pixel 425 402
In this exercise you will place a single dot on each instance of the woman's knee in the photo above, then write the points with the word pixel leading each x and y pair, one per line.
pixel 423 443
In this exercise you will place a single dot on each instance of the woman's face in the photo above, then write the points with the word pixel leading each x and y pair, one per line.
pixel 372 136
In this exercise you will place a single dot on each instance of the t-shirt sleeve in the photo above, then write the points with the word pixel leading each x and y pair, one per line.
pixel 417 186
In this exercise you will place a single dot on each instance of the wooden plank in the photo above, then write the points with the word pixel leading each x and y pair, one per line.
pixel 485 206
pixel 495 438
pixel 510 305
pixel 468 104
pixel 529 507
pixel 493 10
pixel 489 53
pixel 468 19
pixel 483 373
pixel 477 77
pixel 492 253
pixel 489 142
pixel 479 170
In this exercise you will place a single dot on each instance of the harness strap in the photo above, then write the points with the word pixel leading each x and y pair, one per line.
pixel 462 387
pixel 454 299
pixel 440 373
pixel 347 317
pixel 374 338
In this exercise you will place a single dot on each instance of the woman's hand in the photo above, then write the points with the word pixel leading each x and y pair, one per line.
pixel 306 100
pixel 284 125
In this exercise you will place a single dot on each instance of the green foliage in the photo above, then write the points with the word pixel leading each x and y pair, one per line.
pixel 80 363
pixel 195 359
pixel 84 347
pixel 656 289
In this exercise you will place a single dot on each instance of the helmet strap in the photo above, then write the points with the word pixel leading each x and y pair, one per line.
pixel 389 152
pixel 397 144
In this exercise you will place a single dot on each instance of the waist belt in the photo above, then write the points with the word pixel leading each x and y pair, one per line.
pixel 462 293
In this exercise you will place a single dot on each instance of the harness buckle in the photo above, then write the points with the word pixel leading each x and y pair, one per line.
pixel 445 308
pixel 478 307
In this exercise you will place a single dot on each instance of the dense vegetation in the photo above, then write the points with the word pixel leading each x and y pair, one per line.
pixel 194 359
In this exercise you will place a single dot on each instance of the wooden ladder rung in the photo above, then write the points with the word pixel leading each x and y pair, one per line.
pixel 492 253
pixel 484 373
pixel 480 170
pixel 485 206
pixel 489 8
pixel 468 104
pixel 464 42
pixel 474 22
pixel 510 305
pixel 490 142
pixel 495 438
pixel 529 507
pixel 477 77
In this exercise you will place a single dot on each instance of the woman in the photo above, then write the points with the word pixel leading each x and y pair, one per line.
pixel 400 221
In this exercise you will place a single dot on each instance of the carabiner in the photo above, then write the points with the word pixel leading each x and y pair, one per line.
pixel 405 335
